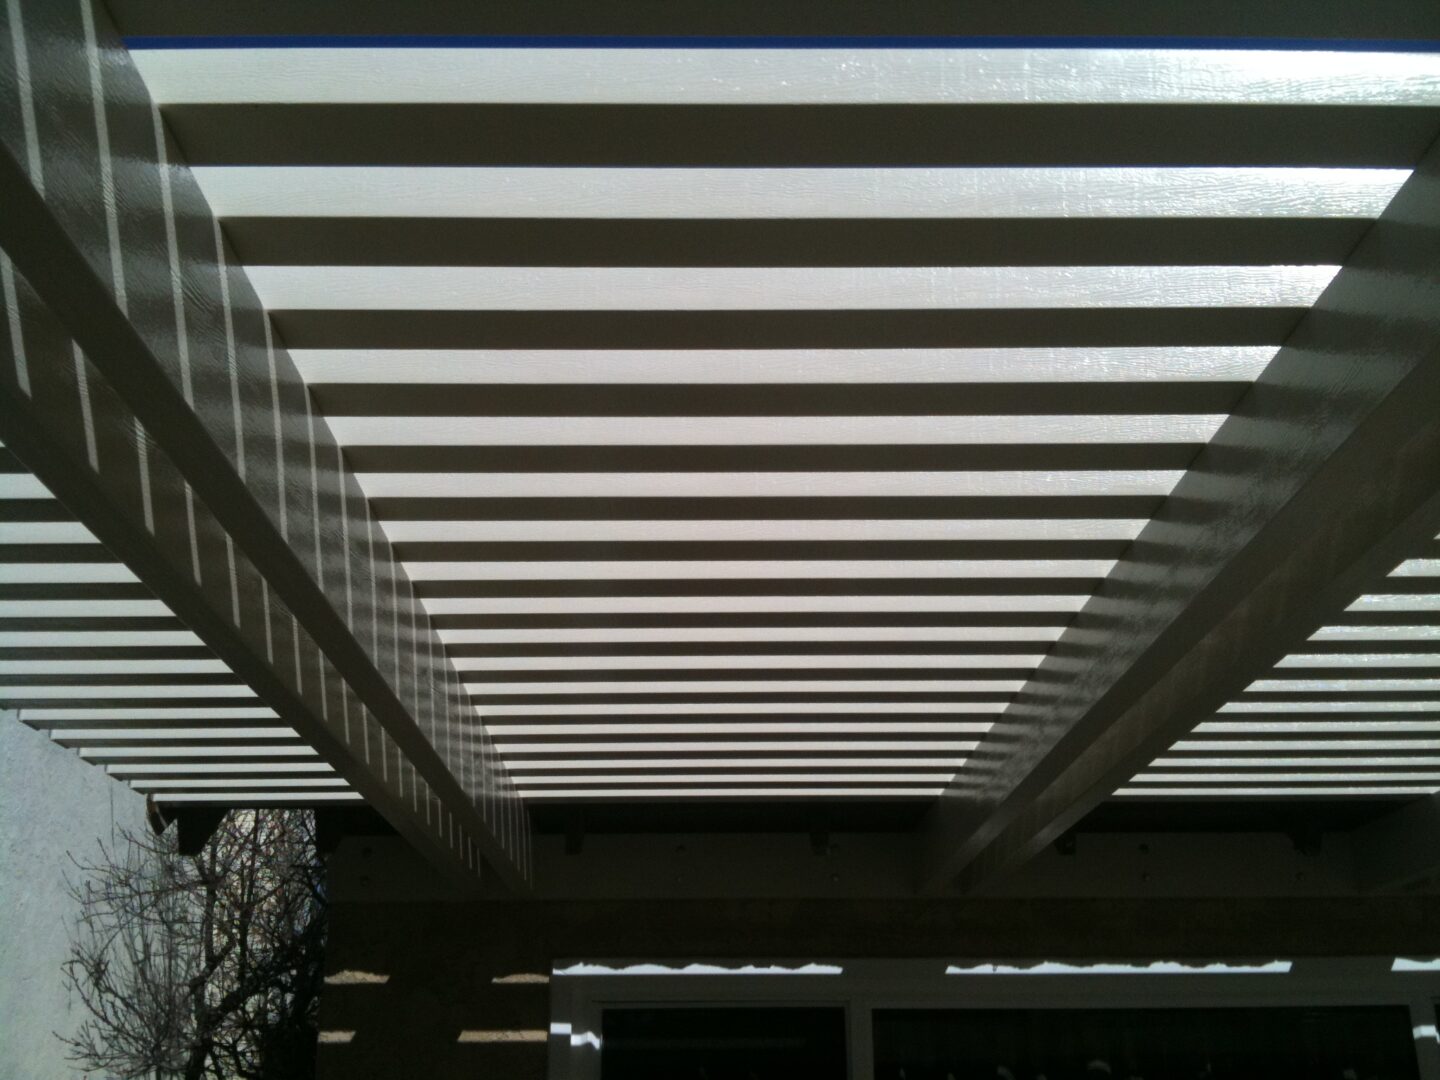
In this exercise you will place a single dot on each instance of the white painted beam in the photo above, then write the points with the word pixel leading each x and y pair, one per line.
pixel 362 74
pixel 782 288
pixel 697 367
pixel 942 430
pixel 604 192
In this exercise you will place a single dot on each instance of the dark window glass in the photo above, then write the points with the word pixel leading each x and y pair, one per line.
pixel 1371 1043
pixel 723 1044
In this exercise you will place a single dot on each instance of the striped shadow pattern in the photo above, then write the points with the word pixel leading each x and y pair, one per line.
pixel 144 384
pixel 136 499
pixel 1354 710
pixel 752 422
pixel 89 655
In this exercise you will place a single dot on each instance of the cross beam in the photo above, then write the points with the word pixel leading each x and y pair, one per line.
pixel 140 380
pixel 1325 476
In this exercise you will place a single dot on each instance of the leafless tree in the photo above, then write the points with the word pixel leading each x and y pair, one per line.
pixel 203 966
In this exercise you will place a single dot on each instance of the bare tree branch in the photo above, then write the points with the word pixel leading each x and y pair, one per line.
pixel 203 966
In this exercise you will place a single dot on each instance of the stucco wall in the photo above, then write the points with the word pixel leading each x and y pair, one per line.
pixel 51 803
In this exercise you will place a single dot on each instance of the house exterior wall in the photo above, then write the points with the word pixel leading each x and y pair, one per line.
pixel 52 804
pixel 424 983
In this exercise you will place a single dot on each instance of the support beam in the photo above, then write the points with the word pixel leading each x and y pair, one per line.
pixel 380 937
pixel 1327 474
pixel 1400 849
pixel 141 382
pixel 1380 20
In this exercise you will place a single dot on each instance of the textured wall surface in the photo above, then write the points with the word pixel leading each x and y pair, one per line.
pixel 51 803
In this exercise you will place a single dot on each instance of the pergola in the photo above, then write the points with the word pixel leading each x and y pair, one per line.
pixel 950 422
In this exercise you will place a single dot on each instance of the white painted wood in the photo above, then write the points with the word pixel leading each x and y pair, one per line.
pixel 741 76
pixel 748 529
pixel 782 288
pixel 748 604
pixel 737 749
pixel 785 366
pixel 784 569
pixel 857 661
pixel 755 633
pixel 1017 192
pixel 1008 430
pixel 503 719
pixel 755 686
pixel 759 485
